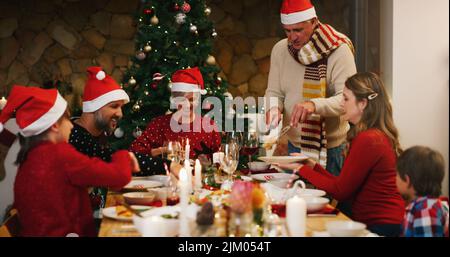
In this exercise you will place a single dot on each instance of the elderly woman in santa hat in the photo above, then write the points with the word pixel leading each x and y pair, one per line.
pixel 50 190
pixel 185 124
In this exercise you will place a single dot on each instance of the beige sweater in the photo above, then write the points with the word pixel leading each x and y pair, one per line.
pixel 286 83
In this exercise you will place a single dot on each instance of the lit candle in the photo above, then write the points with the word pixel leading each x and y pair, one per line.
pixel 2 102
pixel 186 150
pixel 184 201
pixel 296 216
pixel 198 175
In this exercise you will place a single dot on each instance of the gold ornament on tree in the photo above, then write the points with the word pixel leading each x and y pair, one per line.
pixel 154 20
pixel 207 11
pixel 147 48
pixel 132 81
pixel 211 60
pixel 136 107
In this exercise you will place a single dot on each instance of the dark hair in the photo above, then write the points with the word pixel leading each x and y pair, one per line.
pixel 378 112
pixel 425 169
pixel 28 143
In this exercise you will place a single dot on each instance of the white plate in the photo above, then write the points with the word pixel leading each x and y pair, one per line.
pixel 283 159
pixel 142 184
pixel 307 192
pixel 160 178
pixel 110 212
pixel 274 176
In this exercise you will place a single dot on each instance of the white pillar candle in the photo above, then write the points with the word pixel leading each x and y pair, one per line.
pixel 184 201
pixel 187 149
pixel 296 216
pixel 198 175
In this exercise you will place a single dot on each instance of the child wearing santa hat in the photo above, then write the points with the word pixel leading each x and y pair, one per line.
pixel 50 190
pixel 185 124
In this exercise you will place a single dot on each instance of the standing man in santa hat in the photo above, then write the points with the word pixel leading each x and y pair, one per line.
pixel 307 74
pixel 103 99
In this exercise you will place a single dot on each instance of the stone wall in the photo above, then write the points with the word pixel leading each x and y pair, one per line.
pixel 247 31
pixel 42 40
pixel 46 40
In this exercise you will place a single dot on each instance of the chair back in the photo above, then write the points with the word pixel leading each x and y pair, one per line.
pixel 11 227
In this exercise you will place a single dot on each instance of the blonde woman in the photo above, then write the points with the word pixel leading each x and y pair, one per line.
pixel 368 177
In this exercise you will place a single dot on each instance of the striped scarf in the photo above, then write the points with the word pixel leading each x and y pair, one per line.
pixel 314 55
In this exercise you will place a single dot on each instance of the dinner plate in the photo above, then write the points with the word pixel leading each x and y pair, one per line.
pixel 160 178
pixel 274 176
pixel 283 159
pixel 111 213
pixel 142 184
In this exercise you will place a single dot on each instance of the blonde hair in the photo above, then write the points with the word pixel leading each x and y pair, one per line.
pixel 378 112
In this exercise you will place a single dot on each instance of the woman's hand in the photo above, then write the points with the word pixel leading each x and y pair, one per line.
pixel 309 162
pixel 134 163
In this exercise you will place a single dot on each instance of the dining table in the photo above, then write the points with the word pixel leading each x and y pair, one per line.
pixel 315 224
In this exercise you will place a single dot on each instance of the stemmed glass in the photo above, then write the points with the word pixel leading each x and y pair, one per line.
pixel 229 159
pixel 234 136
pixel 173 151
pixel 250 144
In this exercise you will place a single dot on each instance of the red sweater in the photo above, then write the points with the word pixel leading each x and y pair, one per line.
pixel 158 131
pixel 50 190
pixel 367 179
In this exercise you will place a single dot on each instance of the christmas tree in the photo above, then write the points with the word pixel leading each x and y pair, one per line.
pixel 172 35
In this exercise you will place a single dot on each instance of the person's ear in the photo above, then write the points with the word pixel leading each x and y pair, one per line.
pixel 55 127
pixel 408 181
pixel 362 104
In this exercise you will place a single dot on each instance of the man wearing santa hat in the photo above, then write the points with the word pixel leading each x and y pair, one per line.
pixel 50 186
pixel 307 74
pixel 103 99
pixel 185 124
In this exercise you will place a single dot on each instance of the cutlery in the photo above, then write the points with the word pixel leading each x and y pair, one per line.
pixel 132 210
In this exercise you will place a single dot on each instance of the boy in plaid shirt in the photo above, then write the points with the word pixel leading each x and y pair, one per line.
pixel 420 171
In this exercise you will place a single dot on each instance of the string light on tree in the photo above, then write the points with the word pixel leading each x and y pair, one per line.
pixel 193 28
pixel 214 33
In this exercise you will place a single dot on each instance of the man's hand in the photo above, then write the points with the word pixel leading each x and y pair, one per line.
pixel 134 163
pixel 273 117
pixel 301 112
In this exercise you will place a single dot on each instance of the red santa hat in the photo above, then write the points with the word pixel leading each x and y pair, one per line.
pixel 295 11
pixel 35 109
pixel 188 80
pixel 100 90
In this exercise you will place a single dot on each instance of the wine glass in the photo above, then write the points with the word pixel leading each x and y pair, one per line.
pixel 250 144
pixel 173 151
pixel 229 159
pixel 234 136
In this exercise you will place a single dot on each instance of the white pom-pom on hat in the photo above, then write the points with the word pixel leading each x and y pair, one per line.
pixel 100 75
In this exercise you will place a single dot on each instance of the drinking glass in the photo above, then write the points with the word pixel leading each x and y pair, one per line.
pixel 230 158
pixel 250 144
pixel 173 151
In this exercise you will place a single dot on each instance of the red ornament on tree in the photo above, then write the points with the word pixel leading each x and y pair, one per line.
pixel 176 7
pixel 186 7
pixel 154 85
pixel 148 11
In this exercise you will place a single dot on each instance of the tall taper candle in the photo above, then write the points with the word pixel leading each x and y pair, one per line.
pixel 198 175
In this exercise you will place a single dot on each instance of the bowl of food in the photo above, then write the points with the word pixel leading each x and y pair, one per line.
pixel 258 166
pixel 345 228
pixel 315 204
pixel 139 198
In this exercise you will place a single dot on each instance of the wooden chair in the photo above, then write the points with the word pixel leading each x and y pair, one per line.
pixel 11 227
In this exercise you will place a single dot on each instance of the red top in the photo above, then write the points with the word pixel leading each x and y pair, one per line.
pixel 367 179
pixel 159 131
pixel 51 189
